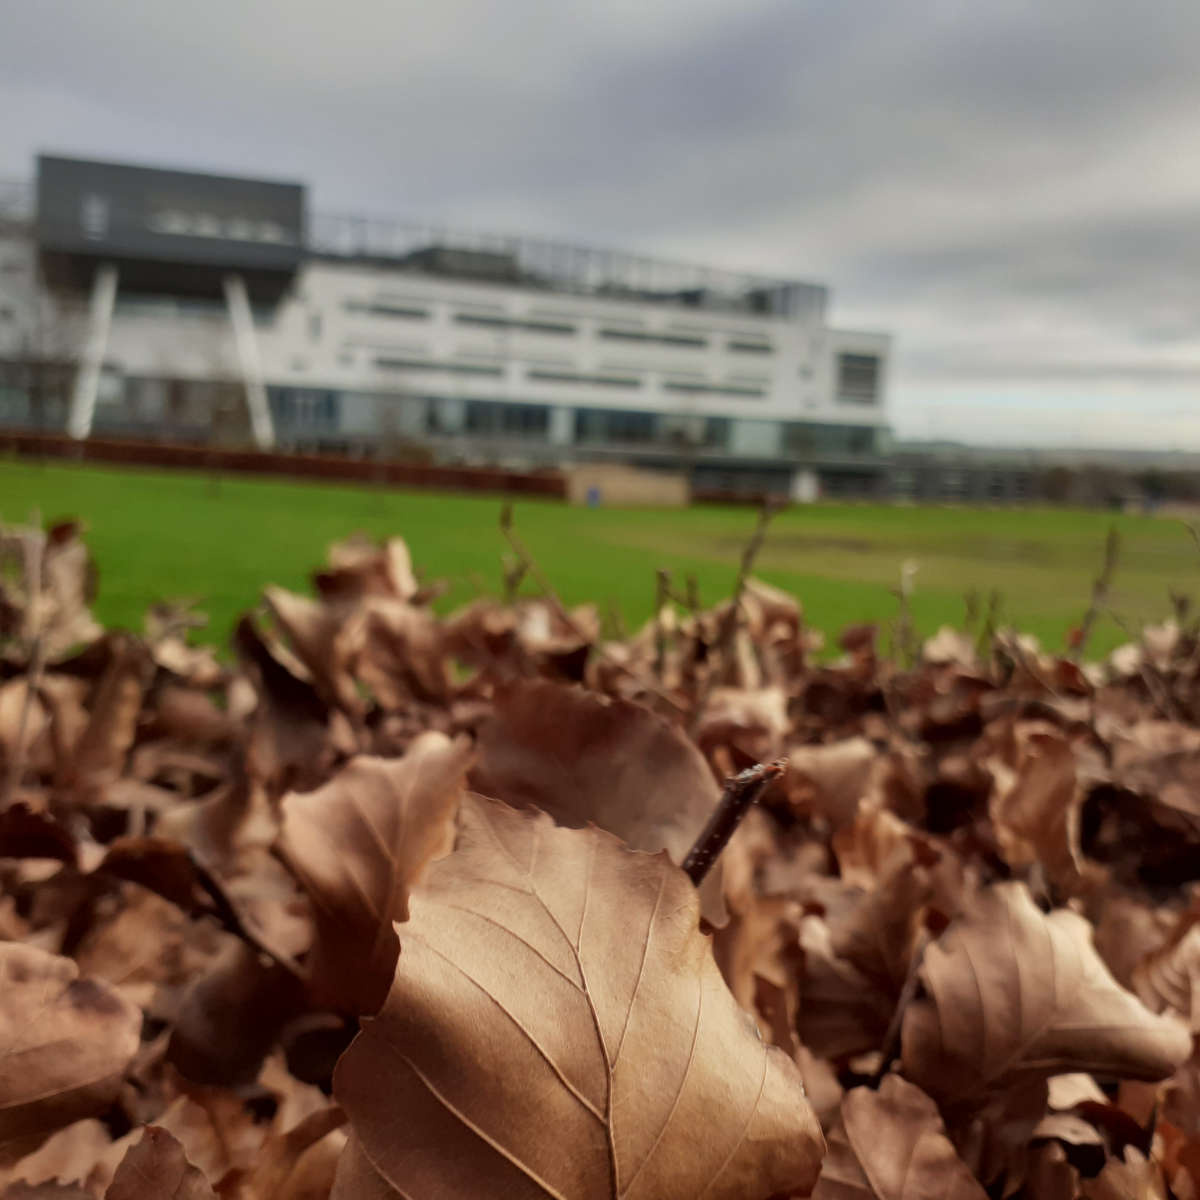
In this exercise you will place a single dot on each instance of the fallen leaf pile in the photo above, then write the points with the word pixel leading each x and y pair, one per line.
pixel 393 905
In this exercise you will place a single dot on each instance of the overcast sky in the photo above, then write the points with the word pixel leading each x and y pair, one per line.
pixel 1011 188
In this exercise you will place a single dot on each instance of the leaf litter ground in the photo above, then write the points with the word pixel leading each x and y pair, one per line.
pixel 394 906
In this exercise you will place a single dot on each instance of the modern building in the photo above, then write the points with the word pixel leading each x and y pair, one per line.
pixel 140 302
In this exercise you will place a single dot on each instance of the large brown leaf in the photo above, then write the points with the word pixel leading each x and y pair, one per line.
pixel 558 1027
pixel 1014 995
pixel 891 1145
pixel 64 1044
pixel 583 758
pixel 357 845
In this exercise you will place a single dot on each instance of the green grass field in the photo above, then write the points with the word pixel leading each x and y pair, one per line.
pixel 162 535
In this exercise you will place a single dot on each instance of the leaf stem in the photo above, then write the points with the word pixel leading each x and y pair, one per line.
pixel 739 793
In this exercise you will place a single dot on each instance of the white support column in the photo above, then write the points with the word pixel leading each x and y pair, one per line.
pixel 242 319
pixel 87 379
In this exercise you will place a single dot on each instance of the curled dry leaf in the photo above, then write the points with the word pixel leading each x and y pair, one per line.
pixel 99 753
pixel 829 781
pixel 298 1164
pixel 1013 995
pixel 613 763
pixel 1169 978
pixel 64 1044
pixel 892 1145
pixel 1132 1178
pixel 357 845
pixel 1035 803
pixel 156 1168
pixel 554 991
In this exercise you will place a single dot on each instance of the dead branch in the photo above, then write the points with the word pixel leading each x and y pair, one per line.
pixel 661 599
pixel 530 566
pixel 727 629
pixel 1112 548
pixel 33 549
pixel 739 793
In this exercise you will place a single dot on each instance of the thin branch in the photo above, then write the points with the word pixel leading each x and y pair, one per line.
pixel 661 598
pixel 1153 680
pixel 34 551
pixel 891 1039
pixel 727 629
pixel 231 921
pixel 739 793
pixel 529 565
pixel 1112 549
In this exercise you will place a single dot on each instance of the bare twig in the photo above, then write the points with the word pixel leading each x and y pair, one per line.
pixel 1156 685
pixel 34 549
pixel 661 599
pixel 904 638
pixel 513 570
pixel 891 1039
pixel 970 609
pixel 231 920
pixel 727 629
pixel 1112 548
pixel 987 634
pixel 530 565
pixel 739 793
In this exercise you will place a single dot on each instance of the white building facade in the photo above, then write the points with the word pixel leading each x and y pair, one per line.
pixel 378 338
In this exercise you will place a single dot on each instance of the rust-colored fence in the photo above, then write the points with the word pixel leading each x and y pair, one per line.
pixel 296 466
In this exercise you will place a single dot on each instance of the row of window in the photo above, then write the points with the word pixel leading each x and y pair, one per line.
pixel 543 375
pixel 321 409
pixel 528 325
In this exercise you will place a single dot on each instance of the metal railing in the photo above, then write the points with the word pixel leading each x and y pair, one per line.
pixel 558 266
pixel 437 249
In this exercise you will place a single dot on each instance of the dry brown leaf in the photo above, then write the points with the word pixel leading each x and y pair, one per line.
pixel 892 1145
pixel 69 1156
pixel 1035 803
pixel 582 758
pixel 829 781
pixel 357 845
pixel 64 1045
pixel 360 566
pixel 357 1179
pixel 1131 1178
pixel 99 754
pixel 1012 995
pixel 554 992
pixel 1169 978
pixel 230 1016
pixel 298 1164
pixel 402 656
pixel 327 639
pixel 156 1168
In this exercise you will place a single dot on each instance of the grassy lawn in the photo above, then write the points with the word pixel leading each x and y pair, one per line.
pixel 158 535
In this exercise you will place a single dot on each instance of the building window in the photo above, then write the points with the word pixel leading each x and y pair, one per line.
pixel 314 327
pixel 93 216
pixel 810 438
pixel 387 310
pixel 506 420
pixel 453 368
pixel 614 425
pixel 712 389
pixel 858 378
pixel 658 339
pixel 626 381
pixel 748 347
pixel 508 323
